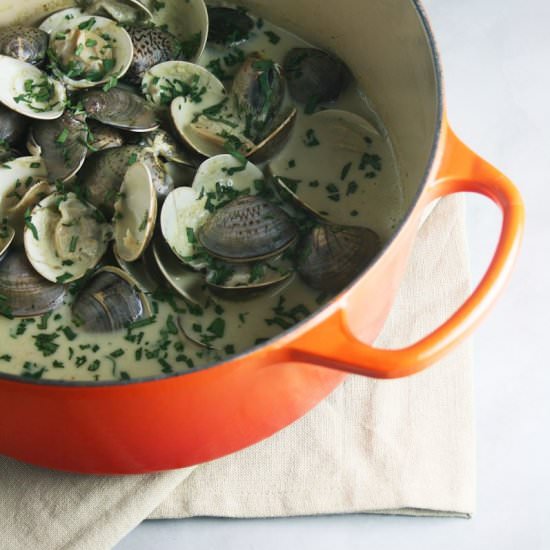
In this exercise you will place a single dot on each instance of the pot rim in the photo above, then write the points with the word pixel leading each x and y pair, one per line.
pixel 327 308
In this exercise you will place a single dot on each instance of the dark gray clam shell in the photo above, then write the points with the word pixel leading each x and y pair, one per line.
pixel 120 108
pixel 151 47
pixel 62 143
pixel 228 26
pixel 247 229
pixel 26 293
pixel 13 126
pixel 331 256
pixel 27 44
pixel 314 76
pixel 109 302
pixel 103 172
pixel 258 92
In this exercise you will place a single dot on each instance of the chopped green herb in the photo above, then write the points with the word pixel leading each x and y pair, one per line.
pixel 64 278
pixel 132 159
pixel 117 353
pixel 273 37
pixel 29 224
pixel 69 333
pixel 45 343
pixel 73 243
pixel 217 327
pixel 345 171
pixel 311 139
pixel 87 25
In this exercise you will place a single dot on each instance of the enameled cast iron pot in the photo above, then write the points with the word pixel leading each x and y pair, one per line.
pixel 180 420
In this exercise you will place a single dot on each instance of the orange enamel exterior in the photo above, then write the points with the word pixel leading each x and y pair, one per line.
pixel 193 418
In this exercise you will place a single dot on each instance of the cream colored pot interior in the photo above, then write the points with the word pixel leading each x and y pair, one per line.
pixel 384 43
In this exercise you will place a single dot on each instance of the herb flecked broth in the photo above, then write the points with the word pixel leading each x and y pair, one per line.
pixel 53 347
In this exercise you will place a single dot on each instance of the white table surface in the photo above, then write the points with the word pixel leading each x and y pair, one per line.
pixel 496 56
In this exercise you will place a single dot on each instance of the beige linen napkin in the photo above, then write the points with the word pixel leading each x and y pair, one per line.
pixel 401 447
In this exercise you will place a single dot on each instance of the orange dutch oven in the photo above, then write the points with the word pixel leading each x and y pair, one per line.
pixel 174 421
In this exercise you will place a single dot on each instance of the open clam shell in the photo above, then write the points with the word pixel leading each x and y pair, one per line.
pixel 110 301
pixel 223 178
pixel 135 213
pixel 89 51
pixel 125 12
pixel 333 158
pixel 258 92
pixel 144 270
pixel 65 237
pixel 120 108
pixel 62 145
pixel 30 91
pixel 17 176
pixel 15 214
pixel 185 282
pixel 103 172
pixel 26 293
pixel 182 213
pixel 187 21
pixel 58 18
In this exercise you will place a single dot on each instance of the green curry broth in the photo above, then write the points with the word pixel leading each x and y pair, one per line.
pixel 53 347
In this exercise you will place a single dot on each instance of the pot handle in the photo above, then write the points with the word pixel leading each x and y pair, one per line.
pixel 462 171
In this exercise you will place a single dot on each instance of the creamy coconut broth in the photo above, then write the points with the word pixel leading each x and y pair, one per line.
pixel 346 175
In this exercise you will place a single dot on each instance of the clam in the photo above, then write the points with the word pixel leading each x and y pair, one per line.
pixel 89 51
pixel 103 172
pixel 7 234
pixel 26 293
pixel 187 21
pixel 65 237
pixel 59 18
pixel 228 27
pixel 162 144
pixel 24 43
pixel 187 283
pixel 16 177
pixel 13 126
pixel 62 144
pixel 182 213
pixel 258 93
pixel 222 178
pixel 30 91
pixel 32 195
pixel 101 137
pixel 110 301
pixel 128 12
pixel 121 109
pixel 314 76
pixel 207 122
pixel 247 229
pixel 166 81
pixel 135 213
pixel 333 157
pixel 331 256
pixel 152 46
